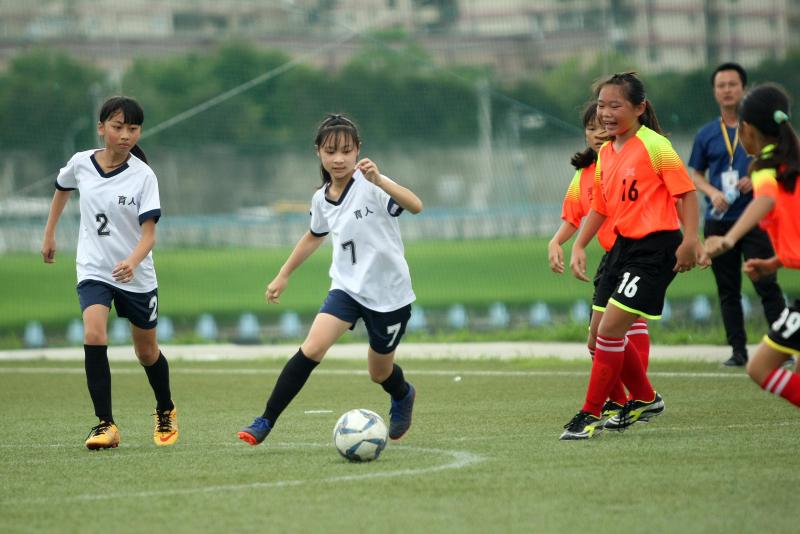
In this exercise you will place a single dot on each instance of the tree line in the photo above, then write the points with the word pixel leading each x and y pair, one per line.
pixel 396 93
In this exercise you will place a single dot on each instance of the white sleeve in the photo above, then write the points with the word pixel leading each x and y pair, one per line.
pixel 393 208
pixel 149 201
pixel 66 181
pixel 318 225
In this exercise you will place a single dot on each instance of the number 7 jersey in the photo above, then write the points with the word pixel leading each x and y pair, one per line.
pixel 368 255
pixel 113 207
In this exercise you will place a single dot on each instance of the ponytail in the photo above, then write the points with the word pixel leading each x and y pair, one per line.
pixel 649 119
pixel 766 108
pixel 581 160
pixel 139 153
pixel 787 153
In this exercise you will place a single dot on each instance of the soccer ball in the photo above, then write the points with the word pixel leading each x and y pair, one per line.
pixel 360 435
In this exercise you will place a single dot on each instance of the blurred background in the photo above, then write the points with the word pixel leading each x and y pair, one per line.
pixel 473 104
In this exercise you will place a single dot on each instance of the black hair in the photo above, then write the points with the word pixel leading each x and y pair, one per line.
pixel 581 160
pixel 633 88
pixel 730 66
pixel 337 128
pixel 132 113
pixel 766 108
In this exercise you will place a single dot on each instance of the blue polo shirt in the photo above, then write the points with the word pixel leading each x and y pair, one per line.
pixel 709 153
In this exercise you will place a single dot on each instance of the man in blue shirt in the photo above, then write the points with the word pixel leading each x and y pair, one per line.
pixel 719 168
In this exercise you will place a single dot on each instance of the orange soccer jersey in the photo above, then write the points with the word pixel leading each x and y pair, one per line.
pixel 636 187
pixel 782 223
pixel 578 202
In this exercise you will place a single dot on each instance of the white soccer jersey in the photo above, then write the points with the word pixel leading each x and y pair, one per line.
pixel 368 261
pixel 113 207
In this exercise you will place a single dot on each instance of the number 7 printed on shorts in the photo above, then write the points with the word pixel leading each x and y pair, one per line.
pixel 393 330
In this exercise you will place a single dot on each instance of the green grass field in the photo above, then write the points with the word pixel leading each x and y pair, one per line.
pixel 483 454
pixel 227 282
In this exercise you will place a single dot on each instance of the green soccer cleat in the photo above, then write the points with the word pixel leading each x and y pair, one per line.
pixel 583 426
pixel 636 411
pixel 610 409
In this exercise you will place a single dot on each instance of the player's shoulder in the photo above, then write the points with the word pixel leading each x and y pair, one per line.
pixel 654 142
pixel 82 155
pixel 765 175
pixel 140 166
pixel 319 194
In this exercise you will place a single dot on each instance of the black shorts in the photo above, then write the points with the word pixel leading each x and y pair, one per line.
pixel 385 329
pixel 784 334
pixel 141 309
pixel 638 272
pixel 601 269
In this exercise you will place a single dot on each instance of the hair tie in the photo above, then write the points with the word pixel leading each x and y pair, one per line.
pixel 780 116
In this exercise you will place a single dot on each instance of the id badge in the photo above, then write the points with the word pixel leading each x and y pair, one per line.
pixel 730 179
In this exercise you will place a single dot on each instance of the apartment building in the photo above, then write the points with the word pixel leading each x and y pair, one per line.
pixel 512 37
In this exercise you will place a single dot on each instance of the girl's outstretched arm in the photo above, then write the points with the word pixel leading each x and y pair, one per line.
pixel 753 213
pixel 402 195
pixel 305 247
pixel 56 209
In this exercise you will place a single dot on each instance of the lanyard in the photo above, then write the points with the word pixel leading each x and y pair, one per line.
pixel 731 147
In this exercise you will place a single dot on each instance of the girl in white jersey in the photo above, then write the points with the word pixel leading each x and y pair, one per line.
pixel 358 207
pixel 119 210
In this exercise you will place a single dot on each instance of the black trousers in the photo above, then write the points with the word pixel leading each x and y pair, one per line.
pixel 728 274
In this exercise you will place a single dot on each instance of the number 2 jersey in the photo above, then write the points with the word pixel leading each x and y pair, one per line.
pixel 113 207
pixel 637 185
pixel 368 256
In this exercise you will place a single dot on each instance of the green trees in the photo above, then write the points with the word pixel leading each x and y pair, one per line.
pixel 244 97
pixel 46 103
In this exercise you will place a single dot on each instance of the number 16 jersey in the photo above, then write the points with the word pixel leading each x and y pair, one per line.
pixel 368 255
pixel 113 207
pixel 636 187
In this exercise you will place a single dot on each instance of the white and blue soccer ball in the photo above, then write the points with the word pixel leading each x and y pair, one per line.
pixel 360 435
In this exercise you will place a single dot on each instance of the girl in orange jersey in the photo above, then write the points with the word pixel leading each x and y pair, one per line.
pixel 639 180
pixel 576 205
pixel 766 134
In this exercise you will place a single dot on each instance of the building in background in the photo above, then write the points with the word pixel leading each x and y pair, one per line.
pixel 511 37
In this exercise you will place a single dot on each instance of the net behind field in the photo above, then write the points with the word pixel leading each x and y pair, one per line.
pixel 477 112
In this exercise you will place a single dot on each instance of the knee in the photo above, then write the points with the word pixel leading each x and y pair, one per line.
pixel 95 336
pixel 379 376
pixel 313 351
pixel 147 354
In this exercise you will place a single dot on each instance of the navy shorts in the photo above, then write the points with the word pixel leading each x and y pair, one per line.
pixel 784 334
pixel 141 309
pixel 638 272
pixel 385 329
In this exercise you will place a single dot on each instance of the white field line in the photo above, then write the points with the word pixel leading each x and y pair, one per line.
pixel 459 460
pixel 357 351
pixel 355 372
